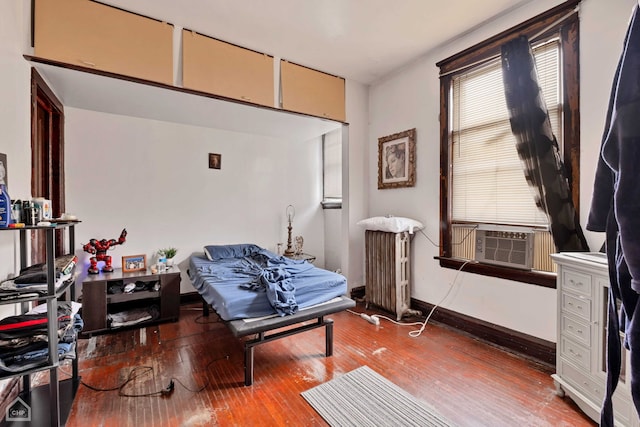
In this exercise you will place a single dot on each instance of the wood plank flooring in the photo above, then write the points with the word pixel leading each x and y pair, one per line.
pixel 469 382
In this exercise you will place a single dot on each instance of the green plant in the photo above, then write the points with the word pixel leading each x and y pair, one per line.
pixel 168 252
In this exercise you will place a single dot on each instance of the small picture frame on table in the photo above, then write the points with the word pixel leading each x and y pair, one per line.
pixel 132 263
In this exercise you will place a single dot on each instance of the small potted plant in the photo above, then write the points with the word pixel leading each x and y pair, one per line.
pixel 168 253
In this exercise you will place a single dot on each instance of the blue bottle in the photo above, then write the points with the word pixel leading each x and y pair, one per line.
pixel 5 207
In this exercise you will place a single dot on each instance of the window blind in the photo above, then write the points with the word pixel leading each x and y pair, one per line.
pixel 487 182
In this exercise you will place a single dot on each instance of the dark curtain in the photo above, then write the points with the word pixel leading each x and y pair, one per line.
pixel 537 146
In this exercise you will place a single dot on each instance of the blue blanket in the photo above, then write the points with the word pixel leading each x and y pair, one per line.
pixel 257 282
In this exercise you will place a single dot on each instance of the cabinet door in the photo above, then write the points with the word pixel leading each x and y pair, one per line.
pixel 94 305
pixel 91 34
pixel 169 296
pixel 220 68
pixel 312 92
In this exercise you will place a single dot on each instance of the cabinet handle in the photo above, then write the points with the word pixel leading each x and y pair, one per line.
pixel 90 64
pixel 246 98
pixel 573 282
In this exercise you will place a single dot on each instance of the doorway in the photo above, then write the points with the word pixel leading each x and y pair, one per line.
pixel 47 158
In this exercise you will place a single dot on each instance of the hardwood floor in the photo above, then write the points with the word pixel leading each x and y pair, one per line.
pixel 469 382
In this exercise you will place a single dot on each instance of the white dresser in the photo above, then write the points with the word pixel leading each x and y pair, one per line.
pixel 583 286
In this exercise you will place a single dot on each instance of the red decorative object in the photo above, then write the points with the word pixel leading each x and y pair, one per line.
pixel 99 249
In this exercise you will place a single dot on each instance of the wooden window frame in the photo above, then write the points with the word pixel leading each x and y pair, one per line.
pixel 564 21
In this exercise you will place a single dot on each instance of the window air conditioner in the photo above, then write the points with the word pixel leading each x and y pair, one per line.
pixel 506 246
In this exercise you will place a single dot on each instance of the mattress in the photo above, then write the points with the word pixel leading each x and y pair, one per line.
pixel 223 283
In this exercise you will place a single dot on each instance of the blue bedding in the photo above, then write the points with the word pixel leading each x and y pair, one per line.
pixel 244 281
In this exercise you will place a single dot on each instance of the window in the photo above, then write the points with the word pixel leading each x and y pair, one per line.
pixel 483 180
pixel 332 169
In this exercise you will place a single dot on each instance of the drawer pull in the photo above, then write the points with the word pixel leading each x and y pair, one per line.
pixel 90 64
pixel 574 283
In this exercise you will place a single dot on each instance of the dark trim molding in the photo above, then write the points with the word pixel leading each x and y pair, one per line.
pixel 190 298
pixel 358 292
pixel 536 348
pixel 540 278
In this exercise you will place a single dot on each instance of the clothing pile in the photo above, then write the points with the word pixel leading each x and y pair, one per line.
pixel 23 338
pixel 133 316
pixel 32 280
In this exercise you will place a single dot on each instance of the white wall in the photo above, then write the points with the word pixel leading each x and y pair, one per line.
pixel 14 118
pixel 152 177
pixel 355 172
pixel 410 98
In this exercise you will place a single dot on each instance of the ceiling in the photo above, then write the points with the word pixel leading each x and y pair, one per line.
pixel 361 40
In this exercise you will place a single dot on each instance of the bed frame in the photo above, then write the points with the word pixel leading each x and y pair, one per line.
pixel 241 328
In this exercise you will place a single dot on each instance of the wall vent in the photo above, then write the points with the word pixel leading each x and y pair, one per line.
pixel 509 247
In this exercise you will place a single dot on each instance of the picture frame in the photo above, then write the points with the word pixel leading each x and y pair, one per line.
pixel 132 263
pixel 215 161
pixel 397 160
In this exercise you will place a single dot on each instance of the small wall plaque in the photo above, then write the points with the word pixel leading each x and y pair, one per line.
pixel 215 161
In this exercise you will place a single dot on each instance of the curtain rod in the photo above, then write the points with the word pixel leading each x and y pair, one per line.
pixel 496 56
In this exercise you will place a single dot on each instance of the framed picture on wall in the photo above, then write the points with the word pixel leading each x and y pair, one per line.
pixel 397 160
pixel 215 161
pixel 134 263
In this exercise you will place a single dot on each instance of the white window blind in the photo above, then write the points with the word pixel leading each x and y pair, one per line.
pixel 332 168
pixel 487 182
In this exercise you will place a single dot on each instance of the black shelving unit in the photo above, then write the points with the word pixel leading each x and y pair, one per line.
pixel 50 404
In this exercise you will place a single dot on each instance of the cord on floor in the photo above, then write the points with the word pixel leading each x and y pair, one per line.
pixel 139 371
pixel 375 318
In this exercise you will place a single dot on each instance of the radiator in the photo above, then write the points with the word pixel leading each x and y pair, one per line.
pixel 387 271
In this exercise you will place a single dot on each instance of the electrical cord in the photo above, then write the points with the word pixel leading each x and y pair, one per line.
pixel 452 243
pixel 418 332
pixel 375 318
pixel 139 371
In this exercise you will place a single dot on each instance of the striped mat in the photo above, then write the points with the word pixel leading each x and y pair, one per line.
pixel 363 398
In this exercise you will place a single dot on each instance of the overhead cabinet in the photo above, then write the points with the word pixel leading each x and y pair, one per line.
pixel 220 68
pixel 91 34
pixel 312 92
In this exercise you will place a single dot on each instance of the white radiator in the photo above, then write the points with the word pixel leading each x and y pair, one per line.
pixel 387 271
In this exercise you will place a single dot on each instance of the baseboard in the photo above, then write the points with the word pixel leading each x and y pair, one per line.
pixel 190 298
pixel 358 292
pixel 536 348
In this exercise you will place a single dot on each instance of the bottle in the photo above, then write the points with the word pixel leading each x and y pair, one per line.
pixel 5 207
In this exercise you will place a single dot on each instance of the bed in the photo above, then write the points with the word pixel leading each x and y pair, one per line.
pixel 255 291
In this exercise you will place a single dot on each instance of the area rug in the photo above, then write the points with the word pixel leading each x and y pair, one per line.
pixel 362 398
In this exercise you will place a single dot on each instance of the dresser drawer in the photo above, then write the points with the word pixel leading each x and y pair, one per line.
pixel 582 381
pixel 576 282
pixel 577 305
pixel 579 331
pixel 574 352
